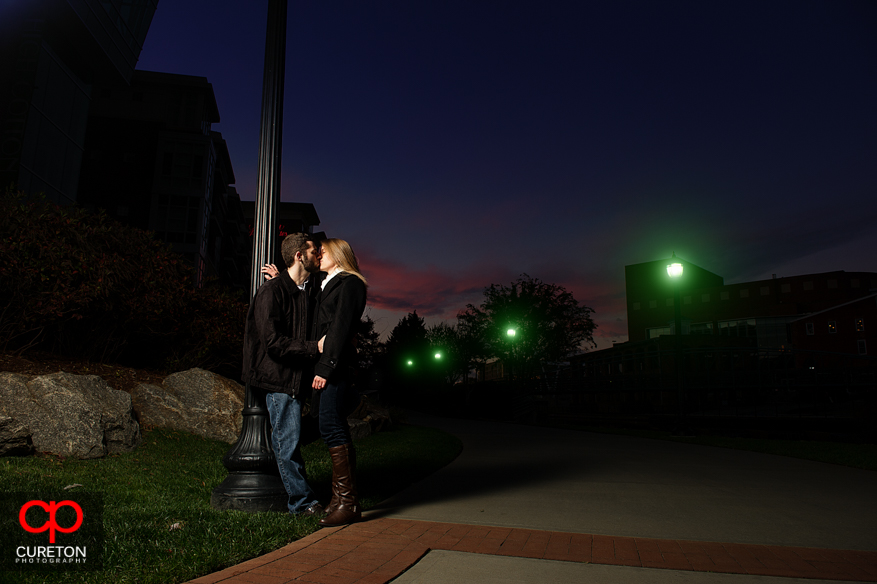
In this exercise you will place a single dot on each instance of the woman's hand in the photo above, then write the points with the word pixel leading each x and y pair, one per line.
pixel 270 271
pixel 320 344
pixel 319 382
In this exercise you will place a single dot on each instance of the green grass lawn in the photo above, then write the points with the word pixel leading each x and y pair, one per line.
pixel 158 523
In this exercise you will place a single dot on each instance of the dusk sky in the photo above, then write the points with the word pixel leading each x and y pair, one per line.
pixel 460 144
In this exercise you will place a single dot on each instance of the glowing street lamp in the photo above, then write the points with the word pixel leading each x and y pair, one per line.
pixel 511 332
pixel 674 270
pixel 438 356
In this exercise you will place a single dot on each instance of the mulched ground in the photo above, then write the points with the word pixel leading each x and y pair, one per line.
pixel 116 376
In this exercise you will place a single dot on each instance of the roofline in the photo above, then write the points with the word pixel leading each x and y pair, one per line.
pixel 812 314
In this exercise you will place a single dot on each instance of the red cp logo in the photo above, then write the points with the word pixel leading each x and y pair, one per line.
pixel 51 508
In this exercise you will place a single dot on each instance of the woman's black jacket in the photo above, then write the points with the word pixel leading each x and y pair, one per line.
pixel 339 308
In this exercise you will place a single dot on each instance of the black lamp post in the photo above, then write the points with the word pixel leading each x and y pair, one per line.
pixel 511 333
pixel 253 482
pixel 674 270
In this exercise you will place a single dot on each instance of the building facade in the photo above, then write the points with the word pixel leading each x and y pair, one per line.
pixel 763 313
pixel 847 328
pixel 153 161
pixel 53 54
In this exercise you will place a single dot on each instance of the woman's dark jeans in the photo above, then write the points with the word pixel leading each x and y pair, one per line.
pixel 337 401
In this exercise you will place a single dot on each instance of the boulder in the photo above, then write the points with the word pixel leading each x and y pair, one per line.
pixel 70 415
pixel 194 401
pixel 14 438
pixel 368 418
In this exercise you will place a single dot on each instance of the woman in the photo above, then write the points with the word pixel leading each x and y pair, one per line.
pixel 339 309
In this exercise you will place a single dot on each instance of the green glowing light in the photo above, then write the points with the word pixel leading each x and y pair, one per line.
pixel 438 355
pixel 511 332
pixel 674 270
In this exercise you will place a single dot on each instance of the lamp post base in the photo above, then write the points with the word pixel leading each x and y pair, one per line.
pixel 253 483
pixel 250 492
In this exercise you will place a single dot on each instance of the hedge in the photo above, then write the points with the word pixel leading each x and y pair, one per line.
pixel 83 285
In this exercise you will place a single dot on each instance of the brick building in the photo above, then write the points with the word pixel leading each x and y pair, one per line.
pixel 763 313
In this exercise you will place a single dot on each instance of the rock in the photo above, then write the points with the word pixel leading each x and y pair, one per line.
pixel 14 438
pixel 359 428
pixel 368 418
pixel 70 415
pixel 194 401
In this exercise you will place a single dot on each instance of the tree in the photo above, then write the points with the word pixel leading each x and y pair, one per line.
pixel 368 345
pixel 407 341
pixel 548 323
pixel 452 357
pixel 406 356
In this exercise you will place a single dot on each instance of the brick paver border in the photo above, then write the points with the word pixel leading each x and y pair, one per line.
pixel 376 551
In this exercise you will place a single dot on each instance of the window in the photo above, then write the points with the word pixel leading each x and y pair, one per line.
pixel 654 333
pixel 182 165
pixel 744 293
pixel 765 290
pixel 860 325
pixel 669 302
pixel 786 288
pixel 704 297
pixel 636 306
pixel 808 285
pixel 701 328
pixel 832 326
pixel 726 296
pixel 653 303
pixel 737 328
pixel 832 283
pixel 863 347
pixel 177 219
pixel 811 330
pixel 686 300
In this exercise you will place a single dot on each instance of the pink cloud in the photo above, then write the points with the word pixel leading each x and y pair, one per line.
pixel 430 291
pixel 441 294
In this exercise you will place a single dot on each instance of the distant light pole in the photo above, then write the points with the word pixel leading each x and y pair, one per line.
pixel 675 270
pixel 510 334
pixel 253 482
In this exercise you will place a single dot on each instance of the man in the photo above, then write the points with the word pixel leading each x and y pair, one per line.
pixel 278 358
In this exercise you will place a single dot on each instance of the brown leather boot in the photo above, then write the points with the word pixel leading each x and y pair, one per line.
pixel 333 502
pixel 347 509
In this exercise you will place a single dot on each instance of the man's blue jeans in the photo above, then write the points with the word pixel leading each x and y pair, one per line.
pixel 284 411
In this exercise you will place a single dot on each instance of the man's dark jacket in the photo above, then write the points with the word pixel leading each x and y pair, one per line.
pixel 339 308
pixel 277 349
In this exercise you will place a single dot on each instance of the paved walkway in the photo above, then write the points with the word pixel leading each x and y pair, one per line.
pixel 525 504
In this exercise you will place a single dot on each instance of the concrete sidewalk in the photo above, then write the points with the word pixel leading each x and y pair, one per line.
pixel 563 480
pixel 525 504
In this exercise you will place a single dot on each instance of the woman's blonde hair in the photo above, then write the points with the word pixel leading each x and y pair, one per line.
pixel 343 255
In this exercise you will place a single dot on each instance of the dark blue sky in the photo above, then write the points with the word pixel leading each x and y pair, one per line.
pixel 459 144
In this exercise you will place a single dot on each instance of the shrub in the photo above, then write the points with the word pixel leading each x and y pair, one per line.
pixel 83 285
